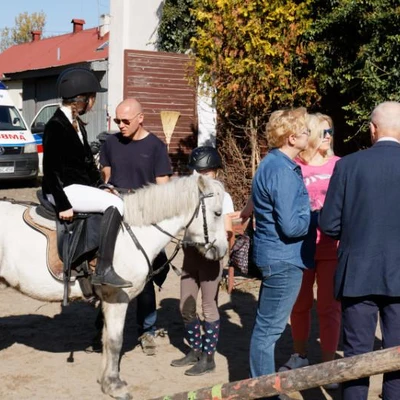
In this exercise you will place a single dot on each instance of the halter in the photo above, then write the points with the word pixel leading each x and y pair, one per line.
pixel 178 242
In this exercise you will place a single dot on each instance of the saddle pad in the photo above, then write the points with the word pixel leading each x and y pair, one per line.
pixel 54 264
pixel 39 220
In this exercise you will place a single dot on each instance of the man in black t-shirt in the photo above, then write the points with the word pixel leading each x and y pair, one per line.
pixel 131 159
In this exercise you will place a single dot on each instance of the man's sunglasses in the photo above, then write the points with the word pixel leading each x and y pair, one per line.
pixel 125 121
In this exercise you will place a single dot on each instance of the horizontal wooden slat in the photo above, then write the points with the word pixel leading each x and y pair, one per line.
pixel 156 55
pixel 157 95
pixel 171 87
pixel 134 65
pixel 143 80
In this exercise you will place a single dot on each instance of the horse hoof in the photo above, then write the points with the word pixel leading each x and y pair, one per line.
pixel 116 388
pixel 126 397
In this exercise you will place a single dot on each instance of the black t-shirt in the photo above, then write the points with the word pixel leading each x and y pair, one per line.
pixel 135 163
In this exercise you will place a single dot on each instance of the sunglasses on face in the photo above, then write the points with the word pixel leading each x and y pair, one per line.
pixel 328 131
pixel 125 121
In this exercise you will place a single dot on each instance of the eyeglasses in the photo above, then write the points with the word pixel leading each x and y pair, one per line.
pixel 307 132
pixel 125 121
pixel 328 131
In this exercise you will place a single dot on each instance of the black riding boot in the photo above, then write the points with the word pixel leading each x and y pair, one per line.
pixel 105 274
pixel 210 339
pixel 191 358
pixel 203 366
pixel 193 337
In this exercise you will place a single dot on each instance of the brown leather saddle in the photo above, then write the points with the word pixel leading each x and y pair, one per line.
pixel 71 247
pixel 55 264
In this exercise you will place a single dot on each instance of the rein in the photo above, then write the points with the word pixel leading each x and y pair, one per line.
pixel 179 243
pixel 153 273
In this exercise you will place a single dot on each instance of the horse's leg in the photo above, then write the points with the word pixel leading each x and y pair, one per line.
pixel 104 339
pixel 115 304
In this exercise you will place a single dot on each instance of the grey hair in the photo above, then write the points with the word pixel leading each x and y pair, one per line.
pixel 386 117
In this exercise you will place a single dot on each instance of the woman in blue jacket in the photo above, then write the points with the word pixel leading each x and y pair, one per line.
pixel 282 212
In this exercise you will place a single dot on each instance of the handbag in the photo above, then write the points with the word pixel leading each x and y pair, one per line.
pixel 241 254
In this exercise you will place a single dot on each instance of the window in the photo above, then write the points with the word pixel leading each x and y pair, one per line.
pixel 10 119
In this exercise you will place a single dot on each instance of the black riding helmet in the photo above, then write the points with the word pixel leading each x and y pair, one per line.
pixel 77 81
pixel 204 157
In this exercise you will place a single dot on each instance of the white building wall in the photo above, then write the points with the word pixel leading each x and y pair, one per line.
pixel 207 120
pixel 133 26
pixel 15 92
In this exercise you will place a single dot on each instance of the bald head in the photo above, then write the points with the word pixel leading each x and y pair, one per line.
pixel 130 106
pixel 385 120
pixel 129 118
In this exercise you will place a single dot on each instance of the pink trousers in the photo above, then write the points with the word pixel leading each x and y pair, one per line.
pixel 328 308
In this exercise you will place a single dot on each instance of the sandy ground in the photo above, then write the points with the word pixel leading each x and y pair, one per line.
pixel 43 345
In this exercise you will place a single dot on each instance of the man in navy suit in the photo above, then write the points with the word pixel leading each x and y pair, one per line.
pixel 362 210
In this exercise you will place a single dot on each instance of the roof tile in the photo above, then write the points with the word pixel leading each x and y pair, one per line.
pixel 54 51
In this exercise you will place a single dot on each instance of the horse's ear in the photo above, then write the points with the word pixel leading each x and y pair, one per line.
pixel 202 183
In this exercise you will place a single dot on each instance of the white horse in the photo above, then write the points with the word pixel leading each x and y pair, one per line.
pixel 193 203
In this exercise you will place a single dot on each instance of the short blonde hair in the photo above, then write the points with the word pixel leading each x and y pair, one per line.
pixel 283 123
pixel 314 122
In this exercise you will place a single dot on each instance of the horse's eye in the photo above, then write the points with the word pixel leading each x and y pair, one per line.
pixel 218 213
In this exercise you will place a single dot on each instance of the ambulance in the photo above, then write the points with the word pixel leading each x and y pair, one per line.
pixel 18 149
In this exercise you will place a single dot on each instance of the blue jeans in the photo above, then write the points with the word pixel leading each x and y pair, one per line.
pixel 146 314
pixel 278 293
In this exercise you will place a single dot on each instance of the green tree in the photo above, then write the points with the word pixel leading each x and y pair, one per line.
pixel 253 53
pixel 177 26
pixel 356 57
pixel 21 32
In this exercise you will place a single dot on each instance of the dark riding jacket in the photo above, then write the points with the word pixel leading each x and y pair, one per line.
pixel 66 160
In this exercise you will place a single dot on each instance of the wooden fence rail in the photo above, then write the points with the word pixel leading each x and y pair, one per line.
pixel 342 370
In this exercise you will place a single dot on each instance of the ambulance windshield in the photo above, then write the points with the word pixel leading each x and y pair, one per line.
pixel 10 119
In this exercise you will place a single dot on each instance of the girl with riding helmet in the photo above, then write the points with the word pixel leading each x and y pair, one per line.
pixel 198 273
pixel 70 176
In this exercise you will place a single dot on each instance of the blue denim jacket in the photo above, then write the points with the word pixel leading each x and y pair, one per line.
pixel 282 212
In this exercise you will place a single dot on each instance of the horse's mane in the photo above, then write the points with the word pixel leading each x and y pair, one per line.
pixel 155 203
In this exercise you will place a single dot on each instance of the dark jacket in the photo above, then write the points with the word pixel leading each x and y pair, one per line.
pixel 66 160
pixel 362 209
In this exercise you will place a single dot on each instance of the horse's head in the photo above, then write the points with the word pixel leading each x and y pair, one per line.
pixel 206 229
pixel 194 201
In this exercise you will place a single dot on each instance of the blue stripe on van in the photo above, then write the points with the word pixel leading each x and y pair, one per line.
pixel 16 144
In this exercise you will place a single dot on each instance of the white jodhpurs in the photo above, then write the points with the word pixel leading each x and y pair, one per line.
pixel 89 199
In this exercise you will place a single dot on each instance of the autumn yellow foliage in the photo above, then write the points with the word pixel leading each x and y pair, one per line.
pixel 252 53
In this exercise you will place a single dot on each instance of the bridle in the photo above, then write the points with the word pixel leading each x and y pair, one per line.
pixel 179 243
pixel 201 204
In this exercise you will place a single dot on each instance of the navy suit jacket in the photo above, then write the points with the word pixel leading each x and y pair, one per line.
pixel 362 210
